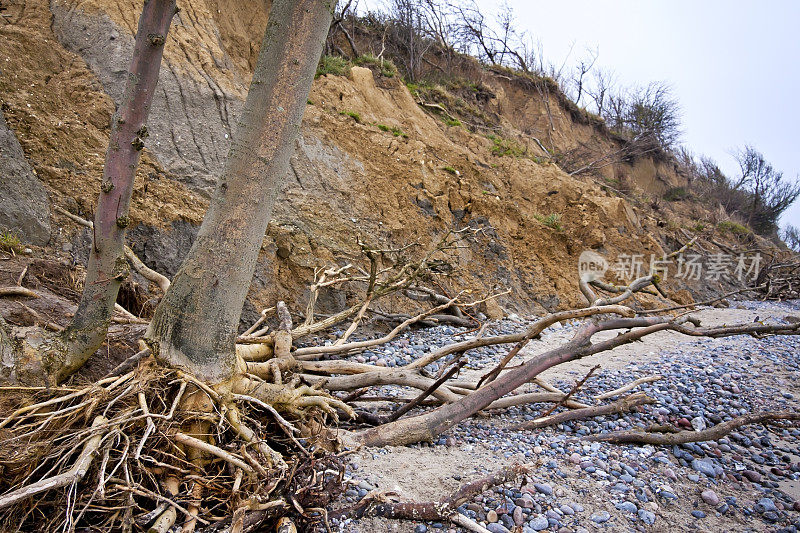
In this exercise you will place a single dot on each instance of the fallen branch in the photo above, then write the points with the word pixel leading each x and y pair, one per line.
pixel 706 302
pixel 312 351
pixel 629 386
pixel 683 437
pixel 620 406
pixel 427 392
pixel 571 392
pixel 534 329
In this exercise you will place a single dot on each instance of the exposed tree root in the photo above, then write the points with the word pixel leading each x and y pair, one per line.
pixel 166 450
pixel 74 475
pixel 17 291
pixel 157 447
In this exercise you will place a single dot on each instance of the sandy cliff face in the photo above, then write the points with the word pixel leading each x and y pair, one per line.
pixel 63 65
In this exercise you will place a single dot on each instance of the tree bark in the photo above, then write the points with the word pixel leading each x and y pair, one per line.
pixel 107 265
pixel 195 325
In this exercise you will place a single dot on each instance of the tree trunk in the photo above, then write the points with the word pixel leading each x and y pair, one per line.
pixel 195 325
pixel 107 265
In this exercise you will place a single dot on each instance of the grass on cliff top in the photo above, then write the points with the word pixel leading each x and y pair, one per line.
pixel 339 66
pixel 336 65
pixel 386 67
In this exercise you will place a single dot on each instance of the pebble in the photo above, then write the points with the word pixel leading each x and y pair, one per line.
pixel 704 467
pixel 698 423
pixel 752 475
pixel 518 516
pixel 710 497
pixel 567 510
pixel 538 523
pixel 766 505
pixel 648 517
pixel 703 386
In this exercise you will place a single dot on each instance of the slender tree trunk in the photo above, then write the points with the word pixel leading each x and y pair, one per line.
pixel 195 325
pixel 107 265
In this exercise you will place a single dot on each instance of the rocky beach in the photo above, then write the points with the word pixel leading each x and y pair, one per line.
pixel 748 480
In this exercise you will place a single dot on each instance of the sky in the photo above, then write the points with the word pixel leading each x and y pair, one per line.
pixel 734 66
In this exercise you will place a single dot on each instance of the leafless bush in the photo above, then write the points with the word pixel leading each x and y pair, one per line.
pixel 791 236
pixel 648 115
pixel 769 193
pixel 758 196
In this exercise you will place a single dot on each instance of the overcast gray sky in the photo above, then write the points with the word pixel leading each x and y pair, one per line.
pixel 734 65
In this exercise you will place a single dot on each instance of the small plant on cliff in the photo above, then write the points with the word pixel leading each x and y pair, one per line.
pixel 10 243
pixel 553 221
pixel 697 227
pixel 451 170
pixel 505 147
pixel 386 67
pixel 352 114
pixel 676 194
pixel 397 132
pixel 728 226
pixel 338 66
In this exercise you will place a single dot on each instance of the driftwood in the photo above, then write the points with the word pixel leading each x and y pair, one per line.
pixel 620 406
pixel 630 386
pixel 682 437
pixel 572 391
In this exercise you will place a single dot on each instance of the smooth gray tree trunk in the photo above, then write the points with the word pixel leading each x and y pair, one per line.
pixel 195 325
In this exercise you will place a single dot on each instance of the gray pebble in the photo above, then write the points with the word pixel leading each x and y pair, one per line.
pixel 648 517
pixel 704 467
pixel 497 527
pixel 538 523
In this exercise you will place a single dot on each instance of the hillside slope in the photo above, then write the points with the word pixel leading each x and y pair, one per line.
pixel 371 162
